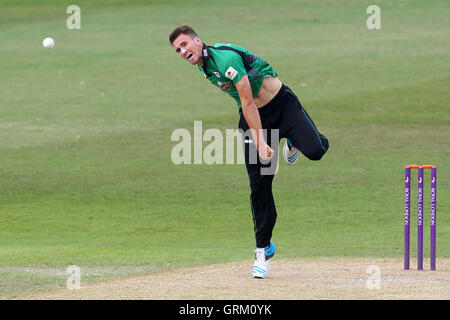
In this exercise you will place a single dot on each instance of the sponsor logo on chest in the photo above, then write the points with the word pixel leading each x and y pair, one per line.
pixel 231 73
pixel 224 86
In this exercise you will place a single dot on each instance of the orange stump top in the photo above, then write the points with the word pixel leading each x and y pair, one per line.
pixel 416 166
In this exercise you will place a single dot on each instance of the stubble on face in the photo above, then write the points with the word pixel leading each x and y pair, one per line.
pixel 190 49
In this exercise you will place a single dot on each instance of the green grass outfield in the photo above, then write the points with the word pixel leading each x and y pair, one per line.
pixel 86 176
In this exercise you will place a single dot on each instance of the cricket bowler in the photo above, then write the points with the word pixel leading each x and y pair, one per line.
pixel 265 106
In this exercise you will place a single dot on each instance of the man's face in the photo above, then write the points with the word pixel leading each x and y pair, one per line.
pixel 189 49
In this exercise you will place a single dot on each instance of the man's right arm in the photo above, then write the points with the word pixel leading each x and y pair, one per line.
pixel 251 115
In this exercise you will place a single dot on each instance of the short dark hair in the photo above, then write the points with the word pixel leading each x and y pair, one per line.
pixel 182 30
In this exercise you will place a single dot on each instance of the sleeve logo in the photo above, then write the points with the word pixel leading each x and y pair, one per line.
pixel 231 73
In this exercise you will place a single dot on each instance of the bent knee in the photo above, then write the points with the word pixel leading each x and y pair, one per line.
pixel 318 152
pixel 315 156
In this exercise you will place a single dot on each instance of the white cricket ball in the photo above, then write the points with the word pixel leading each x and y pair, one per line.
pixel 48 43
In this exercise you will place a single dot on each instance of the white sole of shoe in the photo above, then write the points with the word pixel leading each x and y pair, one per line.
pixel 286 155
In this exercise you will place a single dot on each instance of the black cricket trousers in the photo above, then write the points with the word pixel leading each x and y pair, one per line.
pixel 285 113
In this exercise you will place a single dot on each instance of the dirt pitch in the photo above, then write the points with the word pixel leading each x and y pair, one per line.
pixel 322 278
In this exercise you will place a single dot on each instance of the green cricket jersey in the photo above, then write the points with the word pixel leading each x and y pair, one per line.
pixel 225 64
